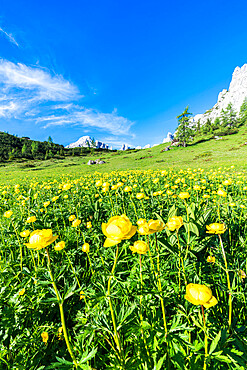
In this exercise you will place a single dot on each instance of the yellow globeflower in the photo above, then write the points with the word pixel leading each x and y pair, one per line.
pixel 184 195
pixel 196 187
pixel 46 204
pixel 72 218
pixel 60 333
pixel 8 214
pixel 24 233
pixel 150 227
pixel 31 219
pixel 174 223
pixel 89 225
pixel 116 229
pixel 66 186
pixel 211 259
pixel 85 247
pixel 139 247
pixel 41 239
pixel 222 193
pixel 22 292
pixel 199 294
pixel 55 198
pixel 242 274
pixel 76 222
pixel 59 246
pixel 127 189
pixel 44 336
pixel 215 228
pixel 140 195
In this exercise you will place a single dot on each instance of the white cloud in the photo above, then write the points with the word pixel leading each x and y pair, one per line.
pixel 32 93
pixel 38 80
pixel 80 116
pixel 10 37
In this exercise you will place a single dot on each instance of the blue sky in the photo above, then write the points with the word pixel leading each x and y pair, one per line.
pixel 119 71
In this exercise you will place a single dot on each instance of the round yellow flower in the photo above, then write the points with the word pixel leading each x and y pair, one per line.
pixel 140 196
pixel 127 189
pixel 85 247
pixel 174 223
pixel 211 259
pixel 76 222
pixel 66 186
pixel 184 195
pixel 8 214
pixel 22 292
pixel 41 239
pixel 150 227
pixel 116 229
pixel 215 228
pixel 72 218
pixel 89 225
pixel 24 233
pixel 139 247
pixel 31 219
pixel 44 336
pixel 199 294
pixel 222 193
pixel 59 246
pixel 46 204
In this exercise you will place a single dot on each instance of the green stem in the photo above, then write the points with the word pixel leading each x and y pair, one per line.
pixel 60 303
pixel 141 317
pixel 159 286
pixel 228 283
pixel 205 339
pixel 180 262
pixel 116 336
pixel 19 243
pixel 188 241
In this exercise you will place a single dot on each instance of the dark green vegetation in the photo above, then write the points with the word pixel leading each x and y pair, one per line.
pixel 13 148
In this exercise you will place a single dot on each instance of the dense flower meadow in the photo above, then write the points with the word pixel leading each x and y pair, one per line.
pixel 125 270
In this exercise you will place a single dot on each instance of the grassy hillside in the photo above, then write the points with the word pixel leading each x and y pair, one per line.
pixel 230 150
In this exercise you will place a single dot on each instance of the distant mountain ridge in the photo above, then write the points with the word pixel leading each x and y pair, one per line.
pixel 87 142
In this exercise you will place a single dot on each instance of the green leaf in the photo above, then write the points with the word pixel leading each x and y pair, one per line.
pixel 215 342
pixel 88 356
pixel 160 363
pixel 223 358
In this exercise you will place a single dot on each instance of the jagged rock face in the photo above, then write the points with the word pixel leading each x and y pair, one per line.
pixel 235 95
pixel 85 142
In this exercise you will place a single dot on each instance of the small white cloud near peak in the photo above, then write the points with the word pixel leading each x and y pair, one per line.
pixel 9 37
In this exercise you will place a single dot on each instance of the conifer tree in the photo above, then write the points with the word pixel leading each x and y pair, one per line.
pixel 184 131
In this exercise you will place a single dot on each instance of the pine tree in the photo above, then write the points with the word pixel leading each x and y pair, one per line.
pixel 24 150
pixel 229 117
pixel 184 131
pixel 243 112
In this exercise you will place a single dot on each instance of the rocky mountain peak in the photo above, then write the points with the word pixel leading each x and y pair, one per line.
pixel 235 95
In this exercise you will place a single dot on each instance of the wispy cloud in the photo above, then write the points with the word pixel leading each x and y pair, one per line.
pixel 33 93
pixel 10 37
pixel 86 117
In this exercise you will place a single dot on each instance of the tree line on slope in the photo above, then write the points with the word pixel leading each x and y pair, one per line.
pixel 228 123
pixel 16 148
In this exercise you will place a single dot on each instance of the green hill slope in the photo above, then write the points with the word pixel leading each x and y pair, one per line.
pixel 230 150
